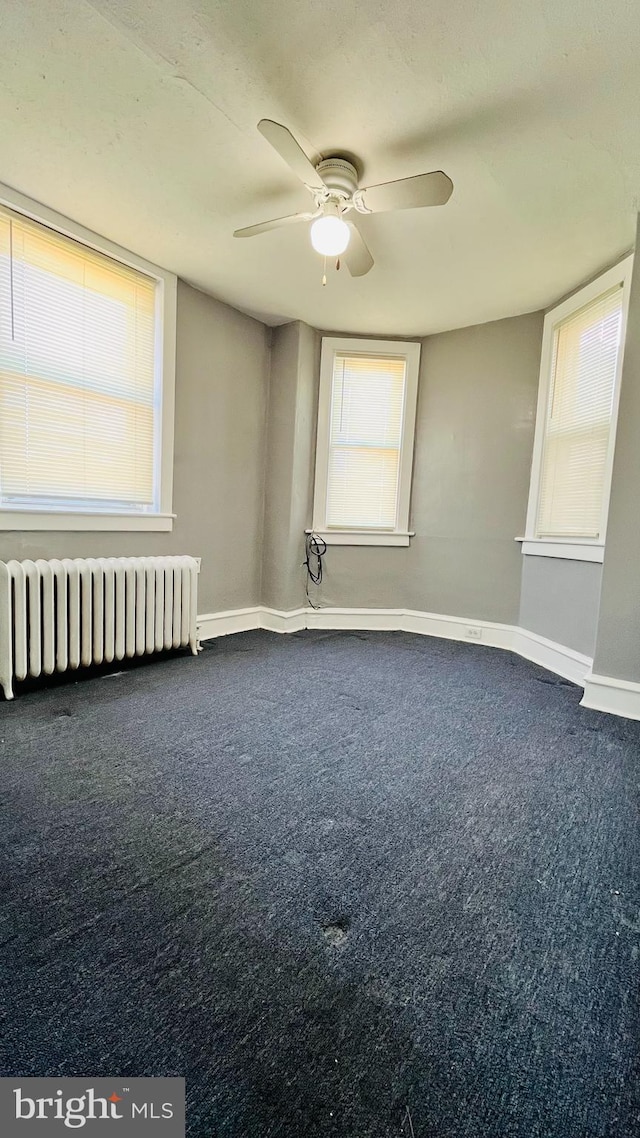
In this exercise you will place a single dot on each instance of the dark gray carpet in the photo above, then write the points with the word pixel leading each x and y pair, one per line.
pixel 326 877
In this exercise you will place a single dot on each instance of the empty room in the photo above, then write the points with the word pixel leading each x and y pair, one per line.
pixel 320 568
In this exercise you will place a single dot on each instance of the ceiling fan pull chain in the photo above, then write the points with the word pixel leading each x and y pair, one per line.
pixel 324 271
pixel 338 265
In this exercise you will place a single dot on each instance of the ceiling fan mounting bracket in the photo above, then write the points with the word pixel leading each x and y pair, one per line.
pixel 359 202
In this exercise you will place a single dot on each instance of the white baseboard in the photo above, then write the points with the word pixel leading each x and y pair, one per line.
pixel 557 658
pixel 212 624
pixel 457 628
pixel 273 620
pixel 565 662
pixel 618 697
pixel 360 620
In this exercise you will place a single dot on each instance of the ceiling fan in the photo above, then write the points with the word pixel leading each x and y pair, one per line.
pixel 333 184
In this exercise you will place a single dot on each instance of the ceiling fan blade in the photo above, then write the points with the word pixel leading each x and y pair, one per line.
pixel 264 226
pixel 409 193
pixel 357 257
pixel 283 141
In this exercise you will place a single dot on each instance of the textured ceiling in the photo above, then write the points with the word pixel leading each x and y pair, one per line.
pixel 138 119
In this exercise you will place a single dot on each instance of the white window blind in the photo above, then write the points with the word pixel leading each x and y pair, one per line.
pixel 79 393
pixel 579 418
pixel 365 438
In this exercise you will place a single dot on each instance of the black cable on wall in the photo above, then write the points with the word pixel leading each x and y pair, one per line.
pixel 315 548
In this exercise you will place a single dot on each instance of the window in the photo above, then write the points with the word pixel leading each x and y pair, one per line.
pixel 86 382
pixel 582 348
pixel 366 420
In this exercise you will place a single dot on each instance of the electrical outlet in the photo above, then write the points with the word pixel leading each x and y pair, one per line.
pixel 473 633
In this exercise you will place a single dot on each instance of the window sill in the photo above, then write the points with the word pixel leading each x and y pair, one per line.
pixel 567 550
pixel 69 520
pixel 361 537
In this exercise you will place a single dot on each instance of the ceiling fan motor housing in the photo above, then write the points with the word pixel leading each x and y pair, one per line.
pixel 339 176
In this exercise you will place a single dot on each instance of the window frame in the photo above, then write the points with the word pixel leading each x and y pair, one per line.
pixel 574 548
pixel 161 520
pixel 334 535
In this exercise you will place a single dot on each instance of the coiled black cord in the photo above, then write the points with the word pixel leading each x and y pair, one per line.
pixel 315 548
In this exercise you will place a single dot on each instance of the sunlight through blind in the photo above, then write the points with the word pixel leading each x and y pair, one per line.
pixel 367 409
pixel 77 374
pixel 579 416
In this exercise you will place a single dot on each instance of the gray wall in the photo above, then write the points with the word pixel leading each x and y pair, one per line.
pixel 289 466
pixel 559 600
pixel 618 641
pixel 474 437
pixel 221 389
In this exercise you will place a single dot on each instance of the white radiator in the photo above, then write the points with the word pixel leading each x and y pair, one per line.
pixel 56 615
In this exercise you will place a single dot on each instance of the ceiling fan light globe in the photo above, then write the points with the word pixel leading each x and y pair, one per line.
pixel 330 236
